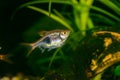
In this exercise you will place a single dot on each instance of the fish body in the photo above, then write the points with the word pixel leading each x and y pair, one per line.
pixel 50 40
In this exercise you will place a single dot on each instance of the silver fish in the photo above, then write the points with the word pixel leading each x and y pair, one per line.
pixel 50 40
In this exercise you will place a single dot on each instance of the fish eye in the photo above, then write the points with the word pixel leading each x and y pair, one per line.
pixel 63 33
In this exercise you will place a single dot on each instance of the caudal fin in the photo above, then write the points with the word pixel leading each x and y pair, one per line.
pixel 30 51
pixel 32 47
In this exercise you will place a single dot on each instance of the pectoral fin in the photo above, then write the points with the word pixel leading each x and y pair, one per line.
pixel 49 49
pixel 42 49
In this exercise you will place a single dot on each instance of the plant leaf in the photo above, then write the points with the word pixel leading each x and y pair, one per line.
pixel 53 57
pixel 56 18
pixel 38 2
pixel 90 23
pixel 50 3
pixel 111 5
pixel 105 12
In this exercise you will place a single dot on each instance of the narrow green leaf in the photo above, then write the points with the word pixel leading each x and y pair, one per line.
pixel 74 1
pixel 90 23
pixel 45 1
pixel 53 57
pixel 97 77
pixel 41 61
pixel 61 16
pixel 104 18
pixel 56 18
pixel 76 18
pixel 50 3
pixel 111 5
pixel 105 12
pixel 39 2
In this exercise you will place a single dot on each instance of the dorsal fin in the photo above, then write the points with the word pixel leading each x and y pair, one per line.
pixel 42 33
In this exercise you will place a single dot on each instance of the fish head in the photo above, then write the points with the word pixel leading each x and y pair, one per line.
pixel 64 34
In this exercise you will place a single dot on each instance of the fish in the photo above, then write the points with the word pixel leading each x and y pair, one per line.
pixel 50 40
pixel 5 58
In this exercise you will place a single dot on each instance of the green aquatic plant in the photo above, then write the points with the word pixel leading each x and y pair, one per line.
pixel 85 17
pixel 117 70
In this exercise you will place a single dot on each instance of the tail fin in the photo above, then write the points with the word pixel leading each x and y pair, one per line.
pixel 27 44
pixel 6 58
pixel 32 45
pixel 29 52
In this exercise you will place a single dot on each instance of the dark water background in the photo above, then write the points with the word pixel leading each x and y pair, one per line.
pixel 11 34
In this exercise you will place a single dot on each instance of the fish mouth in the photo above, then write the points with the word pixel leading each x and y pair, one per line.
pixel 115 58
pixel 68 31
